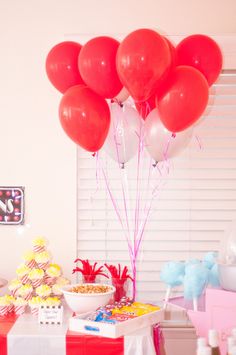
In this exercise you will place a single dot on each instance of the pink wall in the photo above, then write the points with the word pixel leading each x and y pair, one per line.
pixel 35 152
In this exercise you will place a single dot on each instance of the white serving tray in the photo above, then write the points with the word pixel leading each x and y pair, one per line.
pixel 82 325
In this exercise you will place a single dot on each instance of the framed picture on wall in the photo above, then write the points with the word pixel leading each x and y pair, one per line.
pixel 11 205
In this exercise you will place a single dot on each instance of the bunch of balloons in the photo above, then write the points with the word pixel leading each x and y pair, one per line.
pixel 169 87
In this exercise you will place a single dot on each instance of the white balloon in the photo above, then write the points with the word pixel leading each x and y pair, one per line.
pixel 122 141
pixel 161 143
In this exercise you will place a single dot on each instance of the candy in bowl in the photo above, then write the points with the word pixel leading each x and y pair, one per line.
pixel 87 297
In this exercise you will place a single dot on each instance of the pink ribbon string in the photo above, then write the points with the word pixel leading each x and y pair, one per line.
pixel 198 141
pixel 116 208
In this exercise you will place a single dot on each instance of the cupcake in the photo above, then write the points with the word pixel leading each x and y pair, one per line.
pixel 11 300
pixel 36 277
pixel 34 304
pixel 26 291
pixel 62 281
pixel 29 259
pixel 52 273
pixel 4 305
pixel 14 286
pixel 20 305
pixel 42 259
pixel 43 291
pixel 39 244
pixel 51 301
pixel 22 272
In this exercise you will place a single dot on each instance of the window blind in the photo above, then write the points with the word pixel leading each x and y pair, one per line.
pixel 195 205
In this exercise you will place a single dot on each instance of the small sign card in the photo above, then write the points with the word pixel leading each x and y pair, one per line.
pixel 50 315
pixel 11 205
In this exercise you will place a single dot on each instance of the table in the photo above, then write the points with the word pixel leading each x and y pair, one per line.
pixel 23 335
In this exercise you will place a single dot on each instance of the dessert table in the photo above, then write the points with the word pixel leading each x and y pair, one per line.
pixel 24 335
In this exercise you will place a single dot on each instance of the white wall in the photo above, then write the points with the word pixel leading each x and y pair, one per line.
pixel 35 153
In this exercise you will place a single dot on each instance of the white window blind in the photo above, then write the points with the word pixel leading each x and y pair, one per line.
pixel 195 206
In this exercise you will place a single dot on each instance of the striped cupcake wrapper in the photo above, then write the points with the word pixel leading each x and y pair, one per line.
pixel 34 310
pixel 37 282
pixel 38 248
pixel 11 308
pixel 28 296
pixel 19 310
pixel 3 310
pixel 31 264
pixel 25 279
pixel 14 292
pixel 49 280
pixel 43 265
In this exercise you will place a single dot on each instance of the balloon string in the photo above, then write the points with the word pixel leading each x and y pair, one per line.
pixel 116 208
pixel 198 141
pixel 96 156
pixel 147 211
pixel 137 203
pixel 123 175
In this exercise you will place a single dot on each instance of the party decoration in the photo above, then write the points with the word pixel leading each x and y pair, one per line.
pixel 209 259
pixel 145 107
pixel 168 86
pixel 184 100
pixel 89 271
pixel 214 276
pixel 97 65
pixel 122 141
pixel 62 65
pixel 202 53
pixel 172 274
pixel 85 117
pixel 11 205
pixel 36 284
pixel 161 143
pixel 119 279
pixel 195 280
pixel 142 58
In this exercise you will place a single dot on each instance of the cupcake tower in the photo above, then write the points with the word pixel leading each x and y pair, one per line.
pixel 38 282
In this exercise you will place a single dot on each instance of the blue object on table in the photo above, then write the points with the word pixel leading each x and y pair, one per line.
pixel 172 273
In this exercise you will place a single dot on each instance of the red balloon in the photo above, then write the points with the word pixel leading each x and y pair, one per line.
pixel 145 107
pixel 184 100
pixel 85 117
pixel 202 53
pixel 142 58
pixel 97 65
pixel 62 65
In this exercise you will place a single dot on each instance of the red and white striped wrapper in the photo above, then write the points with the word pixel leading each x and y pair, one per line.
pixel 14 292
pixel 34 310
pixel 19 310
pixel 49 280
pixel 25 279
pixel 11 308
pixel 28 296
pixel 31 263
pixel 43 265
pixel 3 310
pixel 38 248
pixel 37 282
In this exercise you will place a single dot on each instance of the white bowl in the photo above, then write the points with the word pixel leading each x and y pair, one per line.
pixel 227 276
pixel 86 302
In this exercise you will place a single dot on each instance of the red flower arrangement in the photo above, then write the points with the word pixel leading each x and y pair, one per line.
pixel 119 280
pixel 89 271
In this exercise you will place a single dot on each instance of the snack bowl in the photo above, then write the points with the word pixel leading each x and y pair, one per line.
pixel 82 302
